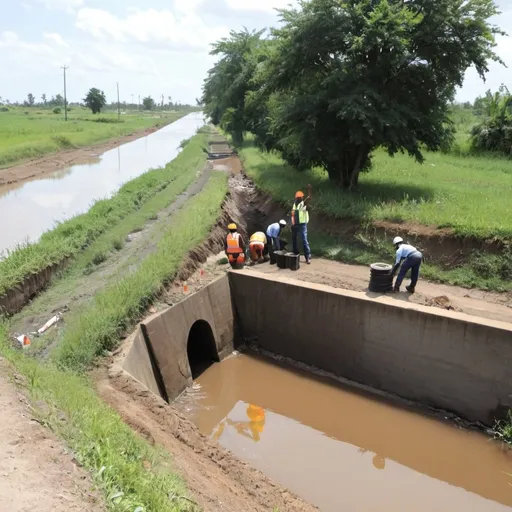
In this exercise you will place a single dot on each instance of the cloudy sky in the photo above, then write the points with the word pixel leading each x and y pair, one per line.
pixel 150 47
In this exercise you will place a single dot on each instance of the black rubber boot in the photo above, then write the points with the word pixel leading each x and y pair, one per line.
pixel 396 289
pixel 410 289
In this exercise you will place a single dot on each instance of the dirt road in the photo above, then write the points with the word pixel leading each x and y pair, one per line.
pixel 40 167
pixel 494 306
pixel 46 479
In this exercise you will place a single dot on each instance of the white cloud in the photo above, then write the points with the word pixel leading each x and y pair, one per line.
pixel 55 38
pixel 11 41
pixel 61 5
pixel 259 5
pixel 180 30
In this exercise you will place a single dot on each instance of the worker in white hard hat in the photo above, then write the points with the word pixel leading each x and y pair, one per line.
pixel 274 233
pixel 407 257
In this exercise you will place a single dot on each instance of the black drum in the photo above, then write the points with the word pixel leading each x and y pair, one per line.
pixel 381 280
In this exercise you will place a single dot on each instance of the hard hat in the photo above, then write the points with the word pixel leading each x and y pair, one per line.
pixel 398 240
pixel 282 222
pixel 232 226
pixel 299 195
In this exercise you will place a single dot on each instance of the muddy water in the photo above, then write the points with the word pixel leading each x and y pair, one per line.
pixel 342 450
pixel 33 207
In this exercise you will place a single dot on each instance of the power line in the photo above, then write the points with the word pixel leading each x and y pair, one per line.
pixel 65 97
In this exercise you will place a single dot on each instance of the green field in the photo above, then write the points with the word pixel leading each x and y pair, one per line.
pixel 470 194
pixel 32 132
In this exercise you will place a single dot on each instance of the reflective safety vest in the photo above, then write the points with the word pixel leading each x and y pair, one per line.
pixel 258 237
pixel 233 244
pixel 300 214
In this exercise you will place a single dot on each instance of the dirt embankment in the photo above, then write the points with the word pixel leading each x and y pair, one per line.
pixel 41 167
pixel 36 470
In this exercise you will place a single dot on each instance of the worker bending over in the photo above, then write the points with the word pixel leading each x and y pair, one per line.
pixel 410 258
pixel 273 235
pixel 300 219
pixel 258 247
pixel 235 247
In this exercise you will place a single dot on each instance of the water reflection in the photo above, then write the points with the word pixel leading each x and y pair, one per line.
pixel 35 206
pixel 251 429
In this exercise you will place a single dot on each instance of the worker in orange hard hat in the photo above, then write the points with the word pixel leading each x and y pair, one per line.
pixel 300 219
pixel 258 247
pixel 235 247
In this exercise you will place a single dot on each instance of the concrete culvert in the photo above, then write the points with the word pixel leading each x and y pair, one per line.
pixel 201 348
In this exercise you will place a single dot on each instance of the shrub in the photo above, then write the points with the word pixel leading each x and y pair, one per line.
pixel 4 109
pixel 57 110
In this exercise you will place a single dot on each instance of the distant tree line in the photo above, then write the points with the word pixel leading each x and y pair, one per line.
pixel 337 80
pixel 96 103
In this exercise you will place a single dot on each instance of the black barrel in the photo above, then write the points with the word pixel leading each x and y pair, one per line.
pixel 280 259
pixel 292 261
pixel 381 280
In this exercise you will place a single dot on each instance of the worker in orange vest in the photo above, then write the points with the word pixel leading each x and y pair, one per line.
pixel 258 247
pixel 235 247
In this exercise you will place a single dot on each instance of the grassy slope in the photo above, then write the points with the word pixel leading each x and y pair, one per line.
pixel 117 457
pixel 24 136
pixel 470 194
pixel 89 333
pixel 72 236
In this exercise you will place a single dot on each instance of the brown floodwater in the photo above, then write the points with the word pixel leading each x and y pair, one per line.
pixel 342 449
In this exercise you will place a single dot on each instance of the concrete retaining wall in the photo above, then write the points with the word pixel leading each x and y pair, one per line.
pixel 448 360
pixel 163 356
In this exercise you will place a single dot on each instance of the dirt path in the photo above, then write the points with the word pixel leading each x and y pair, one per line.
pixel 40 167
pixel 36 471
pixel 494 306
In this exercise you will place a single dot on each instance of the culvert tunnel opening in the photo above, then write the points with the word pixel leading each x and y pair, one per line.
pixel 201 348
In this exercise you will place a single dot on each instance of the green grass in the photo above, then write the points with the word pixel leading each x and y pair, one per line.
pixel 504 430
pixel 24 136
pixel 470 194
pixel 98 327
pixel 76 234
pixel 132 475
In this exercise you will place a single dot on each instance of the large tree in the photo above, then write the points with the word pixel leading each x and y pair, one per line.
pixel 228 82
pixel 95 100
pixel 148 103
pixel 348 76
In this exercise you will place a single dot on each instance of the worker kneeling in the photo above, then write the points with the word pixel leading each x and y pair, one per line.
pixel 235 248
pixel 258 247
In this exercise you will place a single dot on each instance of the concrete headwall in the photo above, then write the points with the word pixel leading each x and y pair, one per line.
pixel 159 353
pixel 444 359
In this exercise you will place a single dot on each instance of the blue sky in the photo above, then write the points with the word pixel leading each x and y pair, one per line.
pixel 150 47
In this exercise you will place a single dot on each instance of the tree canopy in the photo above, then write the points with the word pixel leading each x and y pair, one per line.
pixel 340 78
pixel 95 100
pixel 148 103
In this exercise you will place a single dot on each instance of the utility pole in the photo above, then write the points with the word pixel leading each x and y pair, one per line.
pixel 65 97
pixel 139 102
pixel 133 101
pixel 118 104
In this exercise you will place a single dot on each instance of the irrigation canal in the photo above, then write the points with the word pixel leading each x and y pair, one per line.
pixel 34 207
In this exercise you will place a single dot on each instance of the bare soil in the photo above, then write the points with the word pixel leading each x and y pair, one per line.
pixel 40 167
pixel 46 479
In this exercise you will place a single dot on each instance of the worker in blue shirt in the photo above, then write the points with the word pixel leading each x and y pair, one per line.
pixel 274 233
pixel 409 258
